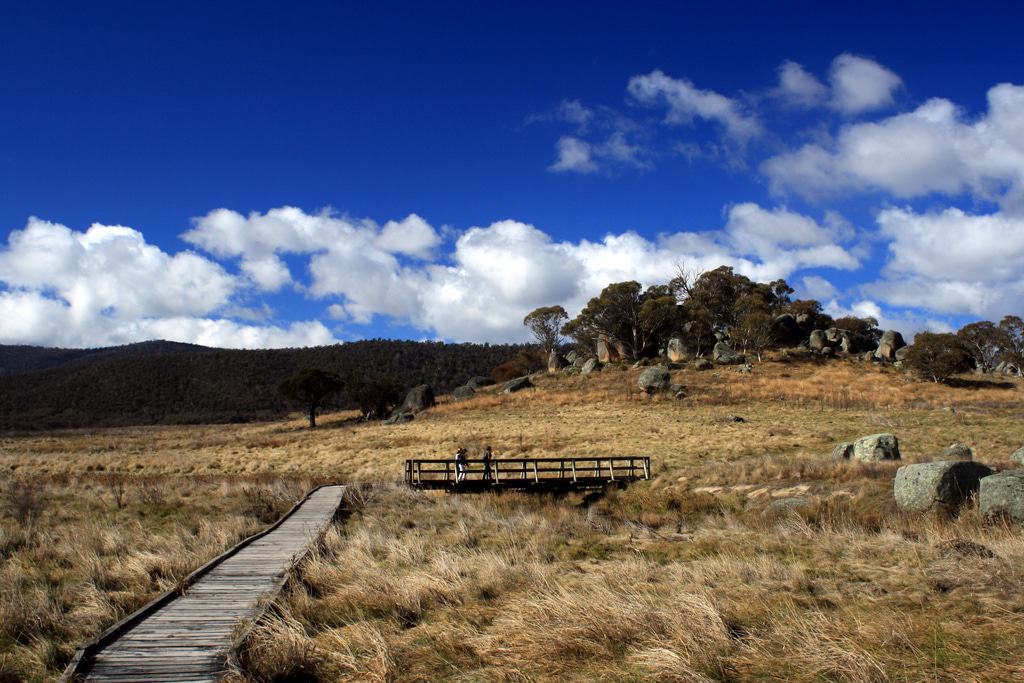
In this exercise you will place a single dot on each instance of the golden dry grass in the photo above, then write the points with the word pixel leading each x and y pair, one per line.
pixel 692 576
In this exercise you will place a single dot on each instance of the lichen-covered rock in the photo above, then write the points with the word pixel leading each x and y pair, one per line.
pixel 608 350
pixel 958 451
pixel 723 354
pixel 1002 495
pixel 786 330
pixel 463 392
pixel 592 365
pixel 517 384
pixel 843 451
pixel 876 447
pixel 676 350
pixel 1018 455
pixel 398 418
pixel 817 340
pixel 479 381
pixel 702 364
pixel 942 486
pixel 654 379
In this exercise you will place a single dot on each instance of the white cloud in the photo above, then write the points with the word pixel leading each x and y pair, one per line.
pixel 107 285
pixel 931 149
pixel 799 88
pixel 685 101
pixel 574 155
pixel 412 236
pixel 954 262
pixel 860 84
pixel 906 322
pixel 580 156
pixel 817 287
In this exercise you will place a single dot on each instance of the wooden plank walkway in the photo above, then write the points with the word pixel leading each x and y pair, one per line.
pixel 187 637
pixel 527 474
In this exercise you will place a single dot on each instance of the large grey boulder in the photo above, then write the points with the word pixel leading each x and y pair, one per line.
pixel 654 379
pixel 702 364
pixel 572 356
pixel 419 398
pixel 608 350
pixel 676 350
pixel 902 353
pixel 724 355
pixel 592 365
pixel 399 418
pixel 479 381
pixel 876 447
pixel 517 384
pixel 555 361
pixel 958 451
pixel 1018 455
pixel 1002 495
pixel 463 392
pixel 889 344
pixel 942 486
pixel 817 340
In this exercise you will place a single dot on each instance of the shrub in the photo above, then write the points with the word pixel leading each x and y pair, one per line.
pixel 938 356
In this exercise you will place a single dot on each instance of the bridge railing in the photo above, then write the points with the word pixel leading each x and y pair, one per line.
pixel 538 470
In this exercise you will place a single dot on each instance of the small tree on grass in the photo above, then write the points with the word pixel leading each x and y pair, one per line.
pixel 938 356
pixel 310 387
pixel 546 325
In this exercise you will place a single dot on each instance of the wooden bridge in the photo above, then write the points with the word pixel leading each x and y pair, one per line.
pixel 527 474
pixel 188 635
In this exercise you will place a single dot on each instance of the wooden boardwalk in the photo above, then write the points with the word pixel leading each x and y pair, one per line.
pixel 187 637
pixel 527 474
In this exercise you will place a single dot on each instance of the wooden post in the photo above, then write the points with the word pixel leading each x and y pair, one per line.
pixel 447 468
pixel 536 477
pixel 419 477
pixel 647 468
pixel 497 475
pixel 573 463
pixel 611 468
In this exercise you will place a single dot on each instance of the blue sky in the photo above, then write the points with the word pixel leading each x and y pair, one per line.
pixel 277 175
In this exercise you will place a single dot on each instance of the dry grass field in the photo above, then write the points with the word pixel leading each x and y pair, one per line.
pixel 704 573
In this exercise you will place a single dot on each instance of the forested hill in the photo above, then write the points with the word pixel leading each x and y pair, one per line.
pixel 180 384
pixel 15 360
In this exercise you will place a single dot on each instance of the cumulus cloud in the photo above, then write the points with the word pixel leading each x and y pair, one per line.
pixel 817 287
pixel 860 84
pixel 799 88
pixel 931 149
pixel 954 262
pixel 580 156
pixel 685 101
pixel 107 285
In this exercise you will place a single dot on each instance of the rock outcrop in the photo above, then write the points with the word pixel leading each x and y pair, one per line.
pixel 592 365
pixel 463 392
pixel 479 381
pixel 676 350
pixel 609 351
pixel 1018 455
pixel 889 344
pixel 1002 496
pixel 702 364
pixel 724 354
pixel 941 486
pixel 876 447
pixel 517 384
pixel 417 399
pixel 786 330
pixel 555 361
pixel 654 379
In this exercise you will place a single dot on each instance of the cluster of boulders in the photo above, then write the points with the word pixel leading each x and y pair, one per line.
pixel 573 363
pixel 945 485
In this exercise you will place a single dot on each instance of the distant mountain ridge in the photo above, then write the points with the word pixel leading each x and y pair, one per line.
pixel 170 383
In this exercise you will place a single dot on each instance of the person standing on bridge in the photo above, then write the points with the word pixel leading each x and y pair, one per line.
pixel 486 463
pixel 461 463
